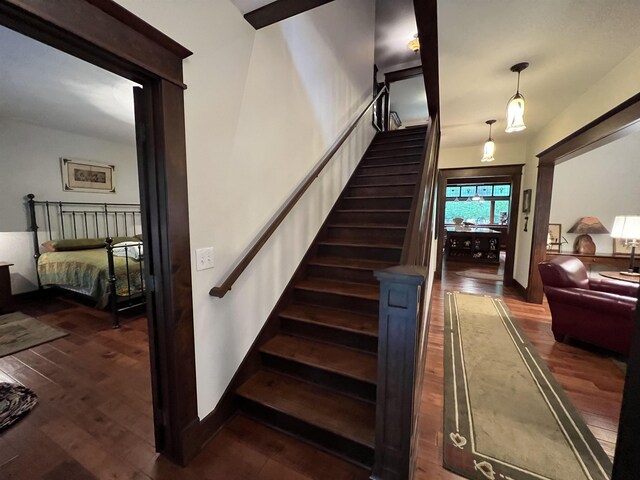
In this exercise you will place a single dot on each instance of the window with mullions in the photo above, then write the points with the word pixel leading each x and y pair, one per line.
pixel 480 204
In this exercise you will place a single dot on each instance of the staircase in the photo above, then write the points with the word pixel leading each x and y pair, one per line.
pixel 317 375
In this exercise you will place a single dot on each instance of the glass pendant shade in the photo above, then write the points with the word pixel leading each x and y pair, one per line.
pixel 515 114
pixel 488 151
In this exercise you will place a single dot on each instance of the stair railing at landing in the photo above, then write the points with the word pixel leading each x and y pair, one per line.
pixel 241 265
pixel 403 328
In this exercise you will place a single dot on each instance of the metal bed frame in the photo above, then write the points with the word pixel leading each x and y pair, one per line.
pixel 79 220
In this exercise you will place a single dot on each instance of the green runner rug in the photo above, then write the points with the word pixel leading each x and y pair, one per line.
pixel 506 417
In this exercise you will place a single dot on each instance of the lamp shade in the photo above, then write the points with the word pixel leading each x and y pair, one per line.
pixel 515 114
pixel 588 225
pixel 626 227
pixel 488 151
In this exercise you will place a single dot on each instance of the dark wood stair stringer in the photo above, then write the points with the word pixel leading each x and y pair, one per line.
pixel 312 371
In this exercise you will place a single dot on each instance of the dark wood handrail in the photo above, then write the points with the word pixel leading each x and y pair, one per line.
pixel 291 202
pixel 417 243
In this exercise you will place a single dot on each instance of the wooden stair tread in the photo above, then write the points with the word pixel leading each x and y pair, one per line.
pixel 383 226
pixel 377 197
pixel 338 287
pixel 384 165
pixel 385 174
pixel 386 185
pixel 341 360
pixel 355 263
pixel 370 156
pixel 371 243
pixel 341 415
pixel 347 210
pixel 334 318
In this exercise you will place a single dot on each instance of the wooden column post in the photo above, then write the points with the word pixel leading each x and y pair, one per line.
pixel 399 372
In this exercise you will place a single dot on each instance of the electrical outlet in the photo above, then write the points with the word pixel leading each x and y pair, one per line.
pixel 204 258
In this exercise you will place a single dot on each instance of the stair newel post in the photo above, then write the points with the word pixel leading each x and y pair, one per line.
pixel 401 312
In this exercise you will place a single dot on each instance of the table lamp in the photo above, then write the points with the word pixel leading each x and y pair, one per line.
pixel 584 243
pixel 627 228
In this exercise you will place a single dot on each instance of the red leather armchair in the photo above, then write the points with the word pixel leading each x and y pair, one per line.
pixel 596 311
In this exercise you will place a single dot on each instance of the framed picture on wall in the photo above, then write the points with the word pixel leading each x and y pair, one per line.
pixel 86 176
pixel 526 201
pixel 554 237
pixel 620 247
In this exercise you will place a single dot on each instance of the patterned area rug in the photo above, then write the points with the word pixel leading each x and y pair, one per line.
pixel 506 417
pixel 20 332
pixel 493 277
pixel 15 402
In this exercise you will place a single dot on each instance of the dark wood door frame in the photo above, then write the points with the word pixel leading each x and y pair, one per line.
pixel 107 35
pixel 614 124
pixel 507 173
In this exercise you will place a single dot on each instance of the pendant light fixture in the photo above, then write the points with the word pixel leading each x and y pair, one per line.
pixel 489 145
pixel 515 107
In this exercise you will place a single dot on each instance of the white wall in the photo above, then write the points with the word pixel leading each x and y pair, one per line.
pixel 607 185
pixel 261 109
pixel 621 83
pixel 30 163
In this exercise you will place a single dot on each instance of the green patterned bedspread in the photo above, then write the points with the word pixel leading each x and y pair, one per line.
pixel 87 272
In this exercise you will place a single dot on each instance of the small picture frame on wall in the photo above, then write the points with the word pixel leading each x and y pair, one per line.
pixel 87 176
pixel 620 247
pixel 526 201
pixel 554 237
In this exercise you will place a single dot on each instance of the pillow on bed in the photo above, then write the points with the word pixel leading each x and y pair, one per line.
pixel 117 240
pixel 73 244
pixel 133 250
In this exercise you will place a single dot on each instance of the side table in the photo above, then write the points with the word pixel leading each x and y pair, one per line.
pixel 619 276
pixel 6 298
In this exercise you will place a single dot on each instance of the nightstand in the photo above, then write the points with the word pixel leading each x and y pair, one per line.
pixel 6 299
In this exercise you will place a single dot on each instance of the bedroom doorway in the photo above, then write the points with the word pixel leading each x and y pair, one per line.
pixel 155 65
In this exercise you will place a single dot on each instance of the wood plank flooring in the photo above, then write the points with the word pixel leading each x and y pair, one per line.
pixel 94 419
pixel 588 375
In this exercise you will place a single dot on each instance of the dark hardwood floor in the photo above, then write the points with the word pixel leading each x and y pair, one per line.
pixel 94 416
pixel 589 376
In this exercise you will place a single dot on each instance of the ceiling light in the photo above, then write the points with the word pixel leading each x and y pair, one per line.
pixel 414 44
pixel 515 107
pixel 489 145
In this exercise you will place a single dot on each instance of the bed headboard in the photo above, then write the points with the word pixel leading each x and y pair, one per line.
pixel 56 220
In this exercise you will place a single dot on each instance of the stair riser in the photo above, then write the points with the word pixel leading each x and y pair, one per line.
pixel 389 218
pixel 384 179
pixel 405 140
pixel 343 302
pixel 343 447
pixel 381 191
pixel 379 159
pixel 384 235
pixel 402 134
pixel 328 334
pixel 395 149
pixel 372 203
pixel 346 274
pixel 332 381
pixel 395 145
pixel 390 170
pixel 368 253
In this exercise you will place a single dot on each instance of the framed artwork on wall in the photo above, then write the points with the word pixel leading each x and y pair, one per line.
pixel 554 237
pixel 86 176
pixel 526 201
pixel 620 247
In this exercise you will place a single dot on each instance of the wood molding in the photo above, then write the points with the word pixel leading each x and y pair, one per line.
pixel 279 10
pixel 427 21
pixel 402 74
pixel 617 122
pixel 510 173
pixel 104 34
pixel 522 291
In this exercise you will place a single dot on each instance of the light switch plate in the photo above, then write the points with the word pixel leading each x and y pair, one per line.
pixel 204 258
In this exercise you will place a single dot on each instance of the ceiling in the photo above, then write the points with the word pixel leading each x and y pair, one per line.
pixel 570 44
pixel 246 6
pixel 409 99
pixel 44 86
pixel 395 27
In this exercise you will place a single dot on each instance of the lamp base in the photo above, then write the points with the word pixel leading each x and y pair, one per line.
pixel 584 245
pixel 630 274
